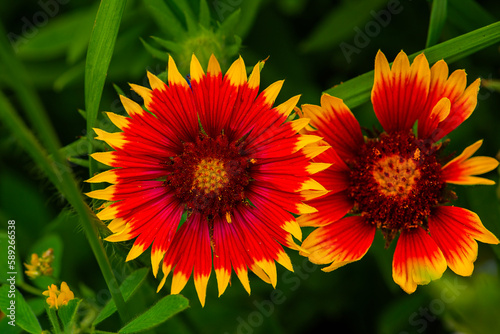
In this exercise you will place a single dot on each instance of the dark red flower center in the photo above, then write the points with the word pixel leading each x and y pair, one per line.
pixel 210 176
pixel 395 182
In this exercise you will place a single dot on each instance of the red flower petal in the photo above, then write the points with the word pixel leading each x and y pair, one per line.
pixel 331 208
pixel 462 102
pixel 399 94
pixel 461 169
pixel 197 257
pixel 417 260
pixel 229 251
pixel 339 243
pixel 455 230
pixel 174 105
pixel 333 181
pixel 291 202
pixel 336 123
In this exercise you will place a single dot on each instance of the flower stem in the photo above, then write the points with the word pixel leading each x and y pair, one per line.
pixel 51 312
pixel 57 168
pixel 29 288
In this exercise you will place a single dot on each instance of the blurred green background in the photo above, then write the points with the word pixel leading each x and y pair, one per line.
pixel 313 45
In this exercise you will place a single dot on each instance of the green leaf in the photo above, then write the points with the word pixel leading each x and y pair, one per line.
pixel 79 162
pixel 37 304
pixel 191 21
pixel 157 314
pixel 436 22
pixel 118 90
pixel 357 91
pixel 169 45
pixel 6 328
pixel 165 18
pixel 128 287
pixel 229 25
pixel 24 315
pixel 67 314
pixel 101 45
pixel 162 55
pixel 204 14
pixel 54 39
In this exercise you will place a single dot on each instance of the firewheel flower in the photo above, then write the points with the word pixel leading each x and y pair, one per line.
pixel 214 149
pixel 396 181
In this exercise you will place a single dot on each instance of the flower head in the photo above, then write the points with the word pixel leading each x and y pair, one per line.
pixel 39 266
pixel 56 297
pixel 218 151
pixel 396 181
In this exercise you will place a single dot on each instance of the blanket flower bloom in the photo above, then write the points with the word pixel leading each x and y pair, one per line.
pixel 395 181
pixel 216 150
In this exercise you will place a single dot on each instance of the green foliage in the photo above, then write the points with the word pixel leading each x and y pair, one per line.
pixel 194 32
pixel 56 82
pixel 24 316
pixel 160 312
pixel 127 288
pixel 67 314
pixel 100 50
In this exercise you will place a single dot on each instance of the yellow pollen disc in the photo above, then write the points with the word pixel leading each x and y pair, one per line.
pixel 210 175
pixel 396 175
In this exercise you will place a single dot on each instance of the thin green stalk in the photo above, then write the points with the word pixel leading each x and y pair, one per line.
pixel 29 288
pixel 28 140
pixel 65 182
pixel 53 319
pixel 57 169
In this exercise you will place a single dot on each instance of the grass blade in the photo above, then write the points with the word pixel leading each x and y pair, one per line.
pixel 101 45
pixel 436 22
pixel 357 91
